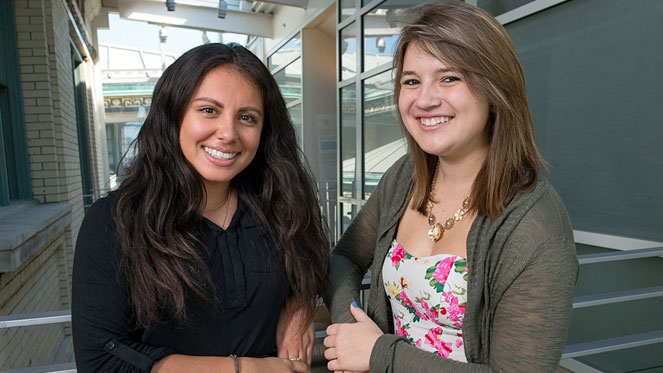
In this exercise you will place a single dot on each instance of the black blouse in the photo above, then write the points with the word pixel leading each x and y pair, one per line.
pixel 250 283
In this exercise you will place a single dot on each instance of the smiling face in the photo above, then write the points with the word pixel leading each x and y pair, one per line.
pixel 220 131
pixel 438 109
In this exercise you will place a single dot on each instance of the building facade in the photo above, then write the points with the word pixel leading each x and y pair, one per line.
pixel 52 153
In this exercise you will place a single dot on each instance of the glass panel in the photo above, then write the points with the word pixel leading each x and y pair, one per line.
pixel 125 59
pixel 284 55
pixel 347 8
pixel 349 140
pixel 296 116
pixel 384 143
pixel 349 51
pixel 119 140
pixel 381 33
pixel 348 213
pixel 497 7
pixel 289 80
pixel 152 60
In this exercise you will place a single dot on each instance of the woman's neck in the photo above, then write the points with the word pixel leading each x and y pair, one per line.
pixel 217 200
pixel 461 172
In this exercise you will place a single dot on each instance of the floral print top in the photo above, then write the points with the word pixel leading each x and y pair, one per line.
pixel 428 296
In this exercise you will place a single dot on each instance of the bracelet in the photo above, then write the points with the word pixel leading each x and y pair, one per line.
pixel 236 360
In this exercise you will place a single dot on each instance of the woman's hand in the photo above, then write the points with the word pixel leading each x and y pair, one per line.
pixel 294 340
pixel 185 363
pixel 349 346
pixel 271 364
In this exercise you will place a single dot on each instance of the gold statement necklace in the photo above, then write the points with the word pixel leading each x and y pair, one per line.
pixel 436 230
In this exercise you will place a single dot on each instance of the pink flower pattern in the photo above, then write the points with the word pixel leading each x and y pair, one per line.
pixel 443 268
pixel 397 255
pixel 428 296
pixel 400 329
pixel 434 338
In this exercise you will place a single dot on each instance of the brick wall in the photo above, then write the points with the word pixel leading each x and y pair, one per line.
pixel 33 287
pixel 43 282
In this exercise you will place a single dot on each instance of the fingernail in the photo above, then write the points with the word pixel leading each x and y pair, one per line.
pixel 354 304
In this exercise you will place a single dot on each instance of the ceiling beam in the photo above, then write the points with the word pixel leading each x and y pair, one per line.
pixel 199 18
pixel 295 3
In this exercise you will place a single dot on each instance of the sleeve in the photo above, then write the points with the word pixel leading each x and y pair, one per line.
pixel 350 261
pixel 103 334
pixel 529 328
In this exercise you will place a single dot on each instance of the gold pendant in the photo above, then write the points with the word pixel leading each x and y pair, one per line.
pixel 435 232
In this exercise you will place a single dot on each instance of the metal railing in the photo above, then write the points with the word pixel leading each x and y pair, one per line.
pixel 570 351
pixel 618 343
pixel 327 195
pixel 40 318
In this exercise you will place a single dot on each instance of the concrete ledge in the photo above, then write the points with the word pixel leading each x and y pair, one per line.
pixel 26 226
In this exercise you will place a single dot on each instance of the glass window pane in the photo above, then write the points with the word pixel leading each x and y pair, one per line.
pixel 347 9
pixel 349 141
pixel 349 51
pixel 381 33
pixel 289 80
pixel 348 213
pixel 497 7
pixel 291 50
pixel 296 116
pixel 384 143
pixel 125 59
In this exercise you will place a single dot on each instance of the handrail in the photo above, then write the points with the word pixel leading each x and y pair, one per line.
pixel 617 296
pixel 612 344
pixel 620 255
pixel 570 351
pixel 55 368
pixel 39 318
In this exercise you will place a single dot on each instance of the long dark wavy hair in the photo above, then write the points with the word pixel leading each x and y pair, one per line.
pixel 160 203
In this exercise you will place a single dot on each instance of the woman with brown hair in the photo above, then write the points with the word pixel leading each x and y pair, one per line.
pixel 471 251
pixel 210 255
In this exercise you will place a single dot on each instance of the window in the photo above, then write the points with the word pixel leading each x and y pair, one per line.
pixel 286 66
pixel 14 166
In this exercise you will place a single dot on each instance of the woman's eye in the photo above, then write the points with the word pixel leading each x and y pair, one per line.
pixel 247 118
pixel 208 110
pixel 410 82
pixel 450 79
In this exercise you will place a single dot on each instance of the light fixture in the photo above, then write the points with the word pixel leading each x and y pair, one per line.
pixel 392 19
pixel 163 34
pixel 170 5
pixel 223 9
pixel 380 44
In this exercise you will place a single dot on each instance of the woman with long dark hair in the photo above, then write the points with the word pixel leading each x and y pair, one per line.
pixel 471 250
pixel 211 253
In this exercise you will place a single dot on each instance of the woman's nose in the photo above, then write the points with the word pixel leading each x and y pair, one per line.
pixel 429 96
pixel 225 130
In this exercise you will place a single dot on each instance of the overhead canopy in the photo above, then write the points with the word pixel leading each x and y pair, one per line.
pixel 241 17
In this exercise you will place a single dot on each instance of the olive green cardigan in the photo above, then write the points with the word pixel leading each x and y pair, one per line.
pixel 522 269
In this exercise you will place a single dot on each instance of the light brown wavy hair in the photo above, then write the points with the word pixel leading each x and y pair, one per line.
pixel 472 41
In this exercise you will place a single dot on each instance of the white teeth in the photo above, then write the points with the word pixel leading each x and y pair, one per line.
pixel 434 121
pixel 219 155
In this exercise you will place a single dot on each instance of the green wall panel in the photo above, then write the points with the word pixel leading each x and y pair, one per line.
pixel 594 71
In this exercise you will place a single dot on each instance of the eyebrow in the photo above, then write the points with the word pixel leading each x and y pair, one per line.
pixel 438 71
pixel 217 103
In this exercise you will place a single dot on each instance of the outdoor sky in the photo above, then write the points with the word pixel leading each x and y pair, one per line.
pixel 136 34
